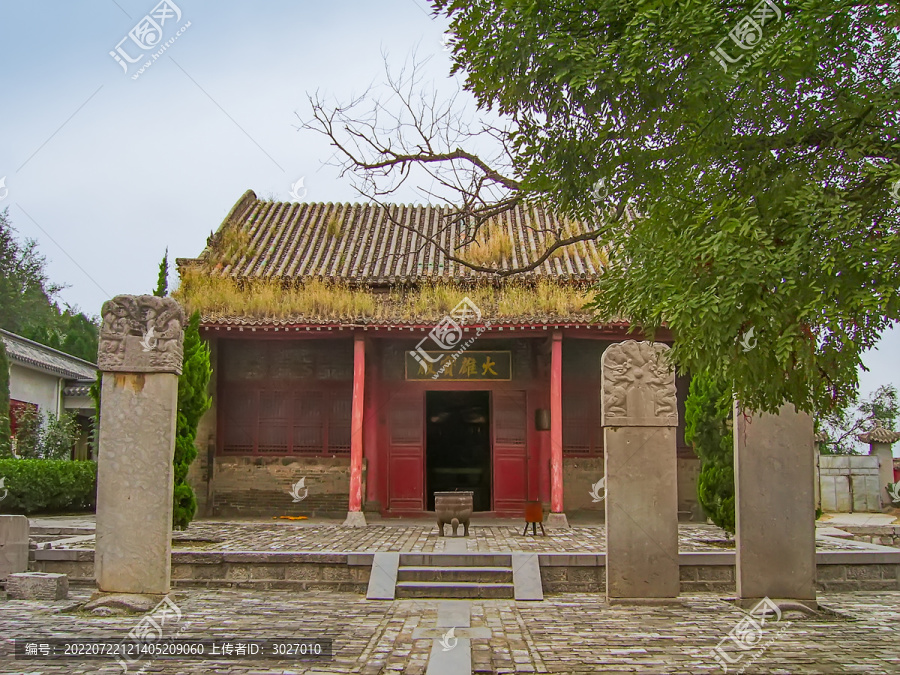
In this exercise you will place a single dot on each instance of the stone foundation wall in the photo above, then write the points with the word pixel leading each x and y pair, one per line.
pixel 720 578
pixel 886 535
pixel 350 572
pixel 579 475
pixel 261 486
pixel 858 577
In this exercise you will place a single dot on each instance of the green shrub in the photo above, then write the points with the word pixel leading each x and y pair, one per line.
pixel 28 434
pixel 47 485
pixel 708 427
pixel 193 401
pixel 53 439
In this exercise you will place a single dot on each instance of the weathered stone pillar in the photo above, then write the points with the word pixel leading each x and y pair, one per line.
pixel 880 441
pixel 13 545
pixel 141 356
pixel 639 416
pixel 774 506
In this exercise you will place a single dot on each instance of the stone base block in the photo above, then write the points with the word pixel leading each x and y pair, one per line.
pixel 784 604
pixel 355 519
pixel 37 586
pixel 126 603
pixel 557 520
pixel 644 601
pixel 13 545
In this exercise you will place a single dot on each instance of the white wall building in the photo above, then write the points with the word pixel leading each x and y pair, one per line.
pixel 51 380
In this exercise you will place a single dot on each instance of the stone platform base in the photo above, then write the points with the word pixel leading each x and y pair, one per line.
pixel 560 572
pixel 355 519
pixel 557 520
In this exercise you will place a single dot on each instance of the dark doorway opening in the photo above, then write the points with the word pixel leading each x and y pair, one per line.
pixel 458 444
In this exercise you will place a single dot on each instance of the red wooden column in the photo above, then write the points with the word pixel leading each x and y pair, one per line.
pixel 355 516
pixel 556 517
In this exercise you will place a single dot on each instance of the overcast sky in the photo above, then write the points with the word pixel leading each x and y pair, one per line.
pixel 106 168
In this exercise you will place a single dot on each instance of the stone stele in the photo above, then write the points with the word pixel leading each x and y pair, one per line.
pixel 140 353
pixel 775 514
pixel 639 422
pixel 141 334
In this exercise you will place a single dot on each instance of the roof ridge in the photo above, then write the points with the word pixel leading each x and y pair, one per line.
pixel 16 336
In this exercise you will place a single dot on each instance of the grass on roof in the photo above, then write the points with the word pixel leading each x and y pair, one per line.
pixel 229 246
pixel 219 297
pixel 492 246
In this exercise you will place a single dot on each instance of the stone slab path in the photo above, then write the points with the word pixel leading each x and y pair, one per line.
pixel 569 633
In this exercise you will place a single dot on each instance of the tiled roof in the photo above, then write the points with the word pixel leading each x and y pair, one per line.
pixel 45 358
pixel 879 435
pixel 363 243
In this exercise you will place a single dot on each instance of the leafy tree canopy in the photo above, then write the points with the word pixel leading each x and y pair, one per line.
pixel 27 305
pixel 756 187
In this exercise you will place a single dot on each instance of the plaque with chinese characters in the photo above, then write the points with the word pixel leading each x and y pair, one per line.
pixel 459 366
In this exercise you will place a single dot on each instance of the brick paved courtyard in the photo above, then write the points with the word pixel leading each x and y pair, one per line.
pixel 570 633
pixel 411 536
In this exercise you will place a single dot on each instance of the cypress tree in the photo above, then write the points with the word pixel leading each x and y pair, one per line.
pixel 162 280
pixel 193 401
pixel 5 431
pixel 709 428
pixel 94 392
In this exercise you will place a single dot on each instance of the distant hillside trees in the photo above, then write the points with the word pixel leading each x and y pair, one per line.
pixel 27 299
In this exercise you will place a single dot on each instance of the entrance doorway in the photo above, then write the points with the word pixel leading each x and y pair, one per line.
pixel 458 445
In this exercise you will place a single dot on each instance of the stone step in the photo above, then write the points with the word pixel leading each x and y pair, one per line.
pixel 488 575
pixel 453 589
pixel 455 560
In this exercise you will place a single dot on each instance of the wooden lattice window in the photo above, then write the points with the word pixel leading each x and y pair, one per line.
pixel 510 414
pixel 285 398
pixel 582 433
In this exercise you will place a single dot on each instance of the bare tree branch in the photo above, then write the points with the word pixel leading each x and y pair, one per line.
pixel 382 142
